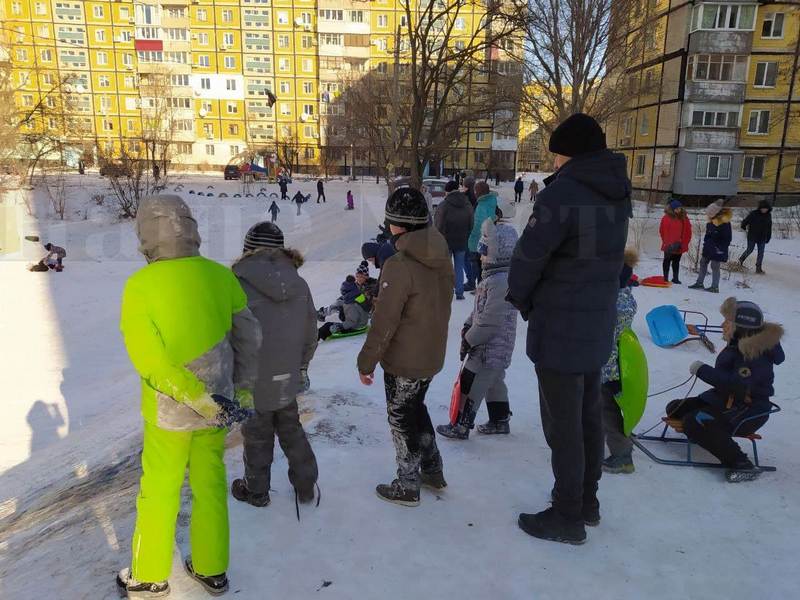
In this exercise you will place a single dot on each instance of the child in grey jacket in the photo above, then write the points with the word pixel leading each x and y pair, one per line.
pixel 488 337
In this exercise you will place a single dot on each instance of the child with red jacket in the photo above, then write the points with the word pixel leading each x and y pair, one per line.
pixel 676 233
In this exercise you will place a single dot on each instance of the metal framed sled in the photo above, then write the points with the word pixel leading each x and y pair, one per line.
pixel 677 425
pixel 668 327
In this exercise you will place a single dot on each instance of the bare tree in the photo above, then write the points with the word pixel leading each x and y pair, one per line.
pixel 579 57
pixel 287 149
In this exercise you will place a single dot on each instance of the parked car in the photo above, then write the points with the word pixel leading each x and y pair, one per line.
pixel 232 172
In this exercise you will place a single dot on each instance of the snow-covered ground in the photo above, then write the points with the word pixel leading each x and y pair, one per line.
pixel 70 429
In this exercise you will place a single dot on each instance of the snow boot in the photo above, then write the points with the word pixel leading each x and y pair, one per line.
pixel 760 271
pixel 713 289
pixel 434 481
pixel 216 585
pixel 128 587
pixel 498 427
pixel 242 494
pixel 396 494
pixel 676 281
pixel 552 526
pixel 590 511
pixel 466 421
pixel 697 286
pixel 743 470
pixel 618 464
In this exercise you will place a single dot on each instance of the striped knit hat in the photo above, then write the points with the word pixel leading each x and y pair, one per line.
pixel 263 235
pixel 406 207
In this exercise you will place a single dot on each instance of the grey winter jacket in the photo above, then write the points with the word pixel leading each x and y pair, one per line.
pixel 355 316
pixel 281 301
pixel 564 276
pixel 493 322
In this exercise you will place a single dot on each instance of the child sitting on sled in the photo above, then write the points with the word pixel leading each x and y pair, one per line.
pixel 488 336
pixel 742 384
pixel 353 305
pixel 619 445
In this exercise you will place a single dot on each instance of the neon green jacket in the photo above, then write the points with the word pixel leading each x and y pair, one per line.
pixel 185 320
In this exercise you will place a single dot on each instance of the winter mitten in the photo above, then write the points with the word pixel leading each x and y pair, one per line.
pixel 695 366
pixel 230 411
pixel 305 382
pixel 205 406
pixel 465 348
pixel 464 331
pixel 321 314
pixel 244 398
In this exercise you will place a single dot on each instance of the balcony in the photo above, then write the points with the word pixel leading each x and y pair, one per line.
pixel 715 91
pixel 721 42
pixel 711 138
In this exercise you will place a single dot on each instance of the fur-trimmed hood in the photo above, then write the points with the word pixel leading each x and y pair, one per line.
pixel 758 344
pixel 272 272
pixel 631 257
pixel 723 216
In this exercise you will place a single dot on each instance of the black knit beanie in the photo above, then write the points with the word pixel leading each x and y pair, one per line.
pixel 407 208
pixel 578 134
pixel 263 235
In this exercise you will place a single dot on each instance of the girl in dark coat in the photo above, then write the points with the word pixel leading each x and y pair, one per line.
pixel 758 225
pixel 742 384
pixel 715 245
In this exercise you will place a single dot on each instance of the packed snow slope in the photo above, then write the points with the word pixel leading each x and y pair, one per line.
pixel 70 431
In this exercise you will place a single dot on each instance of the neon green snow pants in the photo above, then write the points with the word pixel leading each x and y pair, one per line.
pixel 164 459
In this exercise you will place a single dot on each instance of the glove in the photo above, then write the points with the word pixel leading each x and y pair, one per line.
pixel 244 398
pixel 695 366
pixel 305 382
pixel 465 348
pixel 322 313
pixel 464 331
pixel 230 412
pixel 205 406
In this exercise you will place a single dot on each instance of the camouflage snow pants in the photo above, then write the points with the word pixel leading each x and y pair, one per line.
pixel 412 430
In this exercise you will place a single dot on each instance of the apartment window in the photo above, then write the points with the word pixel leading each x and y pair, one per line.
pixel 27 100
pixel 131 125
pixel 383 21
pixel 209 149
pixel 382 44
pixel 202 14
pixel 207 106
pixel 230 85
pixel 283 17
pixel 227 16
pixel 44 31
pixel 284 87
pixel 715 118
pixel 284 64
pixel 644 125
pixel 713 166
pixel 47 55
pixel 227 39
pixel 183 148
pixel 357 16
pixel 309 152
pixel 98 12
pixel 105 103
pixel 176 57
pixel 640 164
pixel 203 60
pixel 285 109
pixel 232 108
pixel 179 80
pixel 307 42
pixel 403 20
pixel 208 129
pixel 22 54
pixel 283 41
pixel 758 123
pixel 723 16
pixel 307 65
pixel 308 131
pixel 230 62
pixel 308 87
pixel 383 67
pixel 233 129
pixel 459 24
pixel 102 58
pixel 329 14
pixel 50 101
pixel 766 74
pixel 234 150
pixel 16 8
pixel 180 102
pixel 40 8
pixel 460 45
pixel 104 81
pixel 308 109
pixel 127 59
pixel 717 67
pixel 126 35
pixel 202 39
pixel 305 18
pixel 177 34
pixel 176 12
pixel 205 83
pixel 129 82
pixel 47 79
pixel 772 26
pixel 331 39
pixel 100 34
pixel 480 136
pixel 108 125
pixel 145 14
pixel 753 167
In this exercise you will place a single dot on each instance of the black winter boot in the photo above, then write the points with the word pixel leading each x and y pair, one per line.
pixel 216 585
pixel 466 421
pixel 242 494
pixel 128 587
pixel 395 493
pixel 743 470
pixel 434 481
pixel 551 525
pixel 500 427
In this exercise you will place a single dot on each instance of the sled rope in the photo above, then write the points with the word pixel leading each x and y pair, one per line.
pixel 685 397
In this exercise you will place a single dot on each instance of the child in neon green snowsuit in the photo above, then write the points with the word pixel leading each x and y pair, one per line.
pixel 189 334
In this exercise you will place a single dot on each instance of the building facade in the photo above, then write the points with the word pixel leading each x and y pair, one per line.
pixel 233 75
pixel 715 102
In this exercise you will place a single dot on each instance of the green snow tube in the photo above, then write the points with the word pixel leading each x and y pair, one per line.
pixel 633 372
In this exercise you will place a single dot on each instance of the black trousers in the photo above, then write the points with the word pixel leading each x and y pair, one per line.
pixel 573 427
pixel 259 433
pixel 321 195
pixel 709 427
pixel 412 431
pixel 517 196
pixel 673 260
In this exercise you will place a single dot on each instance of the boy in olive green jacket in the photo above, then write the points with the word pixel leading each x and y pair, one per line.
pixel 194 343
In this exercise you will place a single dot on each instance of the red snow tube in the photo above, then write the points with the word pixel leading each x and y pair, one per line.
pixel 656 281
pixel 455 399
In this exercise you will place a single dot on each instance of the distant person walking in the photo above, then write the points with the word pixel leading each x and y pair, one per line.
pixel 320 190
pixel 519 187
pixel 273 210
pixel 758 225
pixel 298 199
pixel 284 188
pixel 453 219
pixel 533 188
pixel 497 177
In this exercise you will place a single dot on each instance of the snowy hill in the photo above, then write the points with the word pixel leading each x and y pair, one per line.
pixel 71 429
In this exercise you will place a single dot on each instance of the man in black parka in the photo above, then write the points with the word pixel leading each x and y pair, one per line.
pixel 564 280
